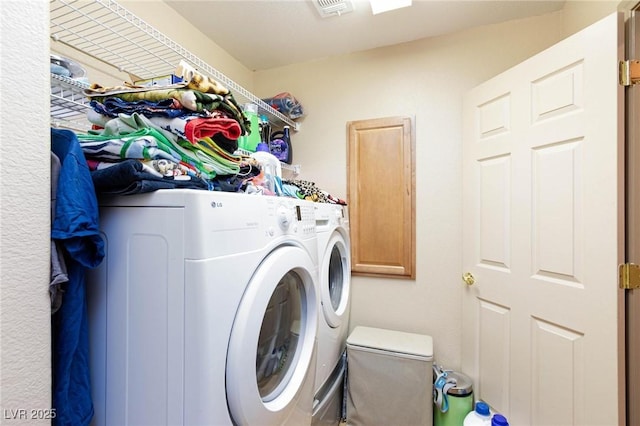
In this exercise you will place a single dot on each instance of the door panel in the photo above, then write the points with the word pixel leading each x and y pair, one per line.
pixel 542 174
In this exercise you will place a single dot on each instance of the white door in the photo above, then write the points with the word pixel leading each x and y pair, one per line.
pixel 543 330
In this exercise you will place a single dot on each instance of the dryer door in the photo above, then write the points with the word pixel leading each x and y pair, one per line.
pixel 335 280
pixel 273 341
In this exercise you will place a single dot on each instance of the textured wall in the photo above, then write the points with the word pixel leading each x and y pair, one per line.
pixel 25 360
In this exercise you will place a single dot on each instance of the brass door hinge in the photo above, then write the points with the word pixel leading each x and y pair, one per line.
pixel 629 72
pixel 629 276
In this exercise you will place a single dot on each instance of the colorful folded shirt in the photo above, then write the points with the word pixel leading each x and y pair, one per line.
pixel 143 144
pixel 194 128
pixel 199 94
pixel 112 106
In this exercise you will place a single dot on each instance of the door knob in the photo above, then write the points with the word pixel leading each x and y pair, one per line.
pixel 468 278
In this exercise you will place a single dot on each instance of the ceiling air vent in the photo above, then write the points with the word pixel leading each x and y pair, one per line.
pixel 328 8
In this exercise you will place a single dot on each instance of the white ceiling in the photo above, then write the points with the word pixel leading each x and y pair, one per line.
pixel 264 34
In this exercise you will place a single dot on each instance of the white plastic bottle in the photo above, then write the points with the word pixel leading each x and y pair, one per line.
pixel 271 168
pixel 481 416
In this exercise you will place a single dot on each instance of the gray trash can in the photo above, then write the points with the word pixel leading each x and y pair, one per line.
pixel 389 378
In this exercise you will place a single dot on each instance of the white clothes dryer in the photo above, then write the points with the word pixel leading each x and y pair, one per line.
pixel 334 268
pixel 205 310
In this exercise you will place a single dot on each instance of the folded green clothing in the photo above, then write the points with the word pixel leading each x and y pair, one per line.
pixel 142 144
pixel 210 155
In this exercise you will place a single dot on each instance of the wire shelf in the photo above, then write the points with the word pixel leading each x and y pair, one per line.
pixel 110 33
pixel 68 106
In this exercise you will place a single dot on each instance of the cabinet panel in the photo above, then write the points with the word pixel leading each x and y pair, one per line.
pixel 381 196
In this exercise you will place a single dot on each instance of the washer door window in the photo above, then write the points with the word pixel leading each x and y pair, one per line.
pixel 273 339
pixel 335 280
pixel 278 340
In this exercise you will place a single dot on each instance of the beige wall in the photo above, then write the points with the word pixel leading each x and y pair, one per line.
pixel 161 16
pixel 424 79
pixel 579 14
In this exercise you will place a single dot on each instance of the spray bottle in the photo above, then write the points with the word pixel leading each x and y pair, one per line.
pixel 250 142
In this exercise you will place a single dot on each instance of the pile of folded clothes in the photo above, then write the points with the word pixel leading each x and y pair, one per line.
pixel 182 135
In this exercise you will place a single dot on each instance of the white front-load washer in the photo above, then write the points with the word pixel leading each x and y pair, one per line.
pixel 334 270
pixel 204 311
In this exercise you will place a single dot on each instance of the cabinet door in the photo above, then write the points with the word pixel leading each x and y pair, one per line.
pixel 381 196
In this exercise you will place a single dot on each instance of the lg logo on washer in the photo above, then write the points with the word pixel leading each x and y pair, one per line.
pixel 215 204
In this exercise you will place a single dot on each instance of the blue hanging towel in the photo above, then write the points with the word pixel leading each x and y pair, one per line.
pixel 75 227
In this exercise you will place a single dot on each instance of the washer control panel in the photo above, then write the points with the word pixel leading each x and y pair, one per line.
pixel 290 216
pixel 285 217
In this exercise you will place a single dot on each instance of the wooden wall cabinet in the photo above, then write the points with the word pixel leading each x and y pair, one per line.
pixel 381 196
